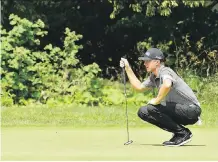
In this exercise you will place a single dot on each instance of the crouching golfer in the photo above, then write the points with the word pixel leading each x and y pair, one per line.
pixel 175 104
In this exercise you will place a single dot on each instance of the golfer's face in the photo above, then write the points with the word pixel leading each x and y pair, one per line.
pixel 150 65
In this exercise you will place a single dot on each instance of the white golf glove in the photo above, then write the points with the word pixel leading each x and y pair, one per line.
pixel 124 63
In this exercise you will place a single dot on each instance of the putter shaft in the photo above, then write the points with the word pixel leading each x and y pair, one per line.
pixel 127 121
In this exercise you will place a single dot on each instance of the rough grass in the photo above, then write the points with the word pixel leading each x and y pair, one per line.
pixel 80 116
pixel 67 115
pixel 110 116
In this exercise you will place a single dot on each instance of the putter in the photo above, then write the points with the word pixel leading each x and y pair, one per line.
pixel 127 121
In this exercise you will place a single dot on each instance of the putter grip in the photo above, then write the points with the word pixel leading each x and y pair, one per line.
pixel 124 75
pixel 123 72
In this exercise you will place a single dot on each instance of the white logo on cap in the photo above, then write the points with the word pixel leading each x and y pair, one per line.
pixel 157 57
pixel 147 53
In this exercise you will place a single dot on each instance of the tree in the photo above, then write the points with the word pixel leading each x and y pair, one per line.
pixel 186 29
pixel 113 28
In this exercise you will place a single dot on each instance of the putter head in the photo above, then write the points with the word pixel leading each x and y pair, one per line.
pixel 128 142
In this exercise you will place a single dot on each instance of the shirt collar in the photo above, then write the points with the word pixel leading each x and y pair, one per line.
pixel 158 75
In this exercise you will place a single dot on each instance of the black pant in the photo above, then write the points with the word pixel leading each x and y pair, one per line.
pixel 171 117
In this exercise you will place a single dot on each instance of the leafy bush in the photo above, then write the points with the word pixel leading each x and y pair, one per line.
pixel 88 91
pixel 209 92
pixel 30 73
pixel 113 93
pixel 6 99
pixel 18 70
pixel 189 56
pixel 54 75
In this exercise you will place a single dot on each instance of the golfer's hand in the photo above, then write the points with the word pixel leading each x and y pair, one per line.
pixel 124 63
pixel 153 101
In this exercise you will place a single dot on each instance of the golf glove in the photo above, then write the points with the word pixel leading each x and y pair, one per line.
pixel 124 63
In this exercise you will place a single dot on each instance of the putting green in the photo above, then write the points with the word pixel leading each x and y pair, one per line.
pixel 104 144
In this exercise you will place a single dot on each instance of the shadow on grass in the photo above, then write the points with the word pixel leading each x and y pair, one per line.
pixel 193 145
pixel 172 146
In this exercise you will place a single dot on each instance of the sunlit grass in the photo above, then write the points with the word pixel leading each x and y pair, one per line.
pixel 82 116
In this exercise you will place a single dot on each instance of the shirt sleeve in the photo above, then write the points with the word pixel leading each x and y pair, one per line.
pixel 148 83
pixel 167 74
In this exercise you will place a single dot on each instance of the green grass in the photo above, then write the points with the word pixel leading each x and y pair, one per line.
pixel 67 115
pixel 104 144
pixel 80 116
pixel 55 114
pixel 71 132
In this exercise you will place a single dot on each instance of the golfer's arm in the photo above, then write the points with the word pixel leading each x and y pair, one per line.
pixel 164 90
pixel 134 80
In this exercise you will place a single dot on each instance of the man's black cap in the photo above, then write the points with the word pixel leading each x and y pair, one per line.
pixel 152 54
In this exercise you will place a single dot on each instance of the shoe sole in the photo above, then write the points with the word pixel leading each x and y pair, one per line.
pixel 184 142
